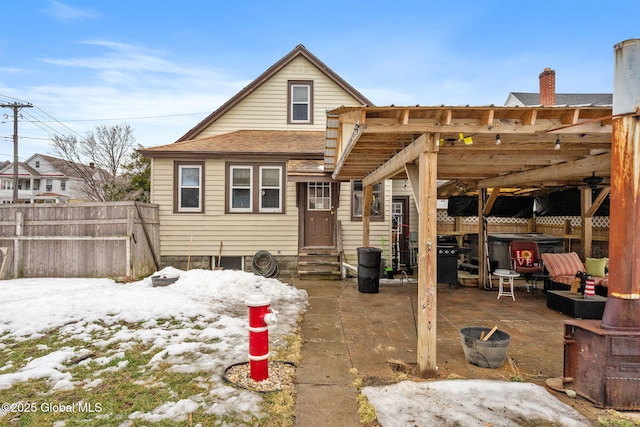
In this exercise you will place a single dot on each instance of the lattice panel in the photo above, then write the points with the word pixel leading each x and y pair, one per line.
pixel 598 221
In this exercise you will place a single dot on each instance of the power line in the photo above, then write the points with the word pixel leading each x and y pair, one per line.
pixel 139 117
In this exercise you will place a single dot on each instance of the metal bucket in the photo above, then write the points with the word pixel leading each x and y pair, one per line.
pixel 491 353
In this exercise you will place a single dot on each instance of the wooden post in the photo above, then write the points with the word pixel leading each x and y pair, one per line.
pixel 586 232
pixel 566 246
pixel 129 243
pixel 427 262
pixel 17 245
pixel 457 227
pixel 367 198
pixel 531 225
pixel 482 255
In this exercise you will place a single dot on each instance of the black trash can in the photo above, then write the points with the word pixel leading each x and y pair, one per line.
pixel 369 269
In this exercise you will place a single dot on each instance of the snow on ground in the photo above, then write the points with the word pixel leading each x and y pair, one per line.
pixel 209 333
pixel 470 403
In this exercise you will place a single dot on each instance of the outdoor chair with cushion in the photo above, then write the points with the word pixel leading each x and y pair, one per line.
pixel 563 267
pixel 525 259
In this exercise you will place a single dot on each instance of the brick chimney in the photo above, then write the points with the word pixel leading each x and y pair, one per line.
pixel 548 87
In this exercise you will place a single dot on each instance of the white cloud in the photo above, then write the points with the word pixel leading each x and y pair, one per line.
pixel 65 13
pixel 118 82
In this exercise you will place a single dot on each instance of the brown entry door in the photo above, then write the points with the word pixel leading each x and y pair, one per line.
pixel 319 215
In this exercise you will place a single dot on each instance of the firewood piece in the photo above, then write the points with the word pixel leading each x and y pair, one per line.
pixel 486 337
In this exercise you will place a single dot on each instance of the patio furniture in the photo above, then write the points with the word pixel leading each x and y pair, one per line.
pixel 509 275
pixel 563 267
pixel 525 259
pixel 576 305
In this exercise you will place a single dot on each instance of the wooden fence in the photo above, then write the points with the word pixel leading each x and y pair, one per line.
pixel 119 240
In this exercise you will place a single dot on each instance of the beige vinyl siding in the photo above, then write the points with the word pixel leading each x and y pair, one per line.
pixel 200 234
pixel 266 107
pixel 352 230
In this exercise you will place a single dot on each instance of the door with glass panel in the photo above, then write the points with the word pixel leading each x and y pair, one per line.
pixel 319 224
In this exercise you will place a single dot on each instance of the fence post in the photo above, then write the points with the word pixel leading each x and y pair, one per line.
pixel 17 245
pixel 131 237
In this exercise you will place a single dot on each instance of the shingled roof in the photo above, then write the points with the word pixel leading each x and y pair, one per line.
pixel 259 143
pixel 528 99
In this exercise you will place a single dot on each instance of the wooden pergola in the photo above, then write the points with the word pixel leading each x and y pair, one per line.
pixel 482 149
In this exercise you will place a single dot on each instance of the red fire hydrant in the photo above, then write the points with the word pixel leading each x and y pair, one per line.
pixel 261 316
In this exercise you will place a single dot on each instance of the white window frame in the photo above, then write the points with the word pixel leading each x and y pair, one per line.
pixel 198 186
pixel 292 102
pixel 233 187
pixel 313 195
pixel 263 187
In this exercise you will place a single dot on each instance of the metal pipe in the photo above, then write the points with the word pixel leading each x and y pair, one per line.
pixel 622 310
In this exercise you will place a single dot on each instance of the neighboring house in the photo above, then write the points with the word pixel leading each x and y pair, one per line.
pixel 548 96
pixel 41 179
pixel 250 178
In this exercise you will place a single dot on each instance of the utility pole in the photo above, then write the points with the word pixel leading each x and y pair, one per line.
pixel 16 107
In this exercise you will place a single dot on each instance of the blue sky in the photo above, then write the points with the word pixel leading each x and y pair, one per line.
pixel 162 66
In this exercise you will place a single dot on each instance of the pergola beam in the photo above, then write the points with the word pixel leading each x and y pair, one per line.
pixel 413 174
pixel 396 164
pixel 492 200
pixel 585 166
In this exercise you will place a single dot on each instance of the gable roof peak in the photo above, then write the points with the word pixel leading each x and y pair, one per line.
pixel 299 50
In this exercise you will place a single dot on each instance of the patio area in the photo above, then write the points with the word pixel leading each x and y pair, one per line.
pixel 373 336
pixel 381 331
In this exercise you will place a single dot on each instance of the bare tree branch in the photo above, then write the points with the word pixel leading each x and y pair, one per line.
pixel 98 159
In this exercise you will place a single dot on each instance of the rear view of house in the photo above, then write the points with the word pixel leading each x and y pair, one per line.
pixel 250 179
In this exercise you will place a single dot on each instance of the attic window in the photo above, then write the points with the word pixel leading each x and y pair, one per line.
pixel 37 163
pixel 300 107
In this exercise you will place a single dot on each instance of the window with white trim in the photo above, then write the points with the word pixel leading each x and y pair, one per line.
pixel 319 198
pixel 190 188
pixel 300 102
pixel 270 188
pixel 241 183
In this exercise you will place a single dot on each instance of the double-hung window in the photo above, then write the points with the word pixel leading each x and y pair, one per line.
pixel 189 185
pixel 270 188
pixel 241 189
pixel 300 102
pixel 255 188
